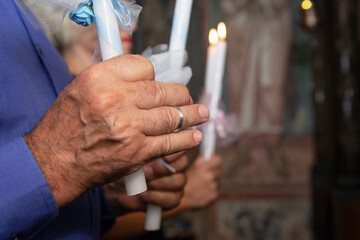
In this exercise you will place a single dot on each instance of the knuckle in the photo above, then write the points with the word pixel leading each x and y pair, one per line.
pixel 101 101
pixel 185 92
pixel 173 119
pixel 161 148
pixel 182 164
pixel 160 93
pixel 130 153
pixel 173 200
pixel 90 73
pixel 179 181
pixel 163 117
pixel 146 88
pixel 129 148
pixel 148 68
pixel 189 139
pixel 157 149
pixel 120 126
pixel 145 65
pixel 83 83
pixel 167 118
pixel 168 146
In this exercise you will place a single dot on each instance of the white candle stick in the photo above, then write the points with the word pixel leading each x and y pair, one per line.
pixel 110 45
pixel 213 86
pixel 208 145
pixel 178 39
pixel 153 217
pixel 108 29
pixel 180 25
pixel 219 70
pixel 180 29
pixel 211 60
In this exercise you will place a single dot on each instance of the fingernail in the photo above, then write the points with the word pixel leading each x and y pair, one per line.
pixel 198 137
pixel 204 111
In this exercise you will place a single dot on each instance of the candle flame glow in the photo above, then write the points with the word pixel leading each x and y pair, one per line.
pixel 306 4
pixel 213 37
pixel 221 29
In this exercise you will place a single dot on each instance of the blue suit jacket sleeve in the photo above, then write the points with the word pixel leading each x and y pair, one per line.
pixel 26 200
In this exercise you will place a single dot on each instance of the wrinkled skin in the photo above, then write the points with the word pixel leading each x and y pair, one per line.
pixel 111 120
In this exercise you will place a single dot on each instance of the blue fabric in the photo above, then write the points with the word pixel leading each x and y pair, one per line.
pixel 32 74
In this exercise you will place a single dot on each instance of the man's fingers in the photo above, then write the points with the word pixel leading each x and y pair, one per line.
pixel 124 65
pixel 215 162
pixel 165 120
pixel 174 157
pixel 155 94
pixel 175 182
pixel 155 169
pixel 166 200
pixel 158 146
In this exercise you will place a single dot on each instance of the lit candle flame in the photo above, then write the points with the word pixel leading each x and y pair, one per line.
pixel 306 4
pixel 213 37
pixel 221 29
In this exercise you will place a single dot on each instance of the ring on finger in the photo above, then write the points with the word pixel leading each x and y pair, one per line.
pixel 181 118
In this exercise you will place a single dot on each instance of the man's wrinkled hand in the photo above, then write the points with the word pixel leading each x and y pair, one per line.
pixel 110 121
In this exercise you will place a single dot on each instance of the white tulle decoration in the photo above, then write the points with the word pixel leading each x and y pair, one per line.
pixel 160 57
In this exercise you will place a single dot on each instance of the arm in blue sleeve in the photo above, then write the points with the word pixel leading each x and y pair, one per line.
pixel 26 202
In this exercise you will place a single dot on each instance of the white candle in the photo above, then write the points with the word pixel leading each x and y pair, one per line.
pixel 211 61
pixel 180 29
pixel 213 86
pixel 178 39
pixel 153 217
pixel 110 45
pixel 180 26
pixel 208 143
pixel 108 29
pixel 219 68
